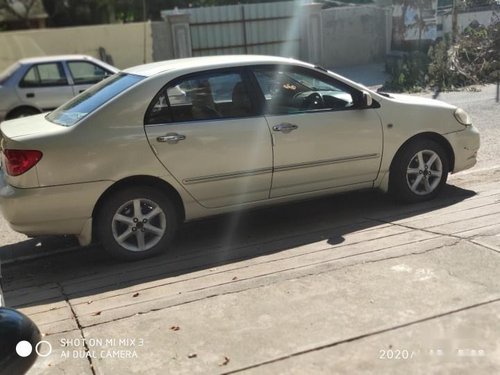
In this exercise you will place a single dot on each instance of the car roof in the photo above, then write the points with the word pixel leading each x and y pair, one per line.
pixel 208 62
pixel 42 59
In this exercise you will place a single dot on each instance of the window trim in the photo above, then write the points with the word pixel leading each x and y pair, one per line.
pixel 245 78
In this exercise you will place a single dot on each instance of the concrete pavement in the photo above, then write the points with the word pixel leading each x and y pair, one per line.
pixel 346 284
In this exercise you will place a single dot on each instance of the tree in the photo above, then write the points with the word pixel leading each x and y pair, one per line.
pixel 20 10
pixel 91 12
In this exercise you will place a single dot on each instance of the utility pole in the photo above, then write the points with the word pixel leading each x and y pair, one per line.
pixel 145 31
pixel 454 22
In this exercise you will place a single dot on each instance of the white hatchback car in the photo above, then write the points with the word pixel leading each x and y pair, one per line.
pixel 40 84
pixel 155 145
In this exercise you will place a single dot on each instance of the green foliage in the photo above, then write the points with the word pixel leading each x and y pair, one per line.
pixel 408 73
pixel 478 3
pixel 89 12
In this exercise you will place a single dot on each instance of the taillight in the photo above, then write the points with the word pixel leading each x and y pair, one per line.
pixel 18 162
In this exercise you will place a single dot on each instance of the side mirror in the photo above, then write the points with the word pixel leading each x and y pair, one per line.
pixel 367 100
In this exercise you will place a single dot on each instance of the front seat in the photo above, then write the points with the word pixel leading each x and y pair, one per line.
pixel 241 101
pixel 203 102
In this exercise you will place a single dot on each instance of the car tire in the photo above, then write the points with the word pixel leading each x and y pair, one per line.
pixel 419 172
pixel 22 112
pixel 136 223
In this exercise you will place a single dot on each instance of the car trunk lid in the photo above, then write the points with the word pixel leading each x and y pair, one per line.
pixel 28 126
pixel 24 134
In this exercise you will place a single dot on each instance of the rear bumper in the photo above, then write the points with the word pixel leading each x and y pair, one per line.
pixel 54 210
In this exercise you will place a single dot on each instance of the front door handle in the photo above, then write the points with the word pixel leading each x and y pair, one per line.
pixel 30 95
pixel 284 127
pixel 171 138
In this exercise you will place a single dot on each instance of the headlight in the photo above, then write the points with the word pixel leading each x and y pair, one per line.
pixel 462 117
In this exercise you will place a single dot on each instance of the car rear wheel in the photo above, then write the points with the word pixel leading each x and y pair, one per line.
pixel 419 172
pixel 22 112
pixel 137 223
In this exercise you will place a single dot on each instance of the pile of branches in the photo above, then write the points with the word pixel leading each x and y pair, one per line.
pixel 474 59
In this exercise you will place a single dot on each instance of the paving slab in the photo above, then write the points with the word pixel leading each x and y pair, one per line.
pixel 65 355
pixel 268 322
pixel 310 260
pixel 463 342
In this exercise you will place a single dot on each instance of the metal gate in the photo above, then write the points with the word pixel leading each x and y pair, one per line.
pixel 264 29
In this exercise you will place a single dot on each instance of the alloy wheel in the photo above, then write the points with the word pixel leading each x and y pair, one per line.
pixel 139 224
pixel 424 172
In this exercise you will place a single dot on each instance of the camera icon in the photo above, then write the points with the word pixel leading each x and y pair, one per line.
pixel 24 348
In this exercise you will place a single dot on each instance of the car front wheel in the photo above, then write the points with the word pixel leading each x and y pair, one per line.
pixel 137 223
pixel 419 172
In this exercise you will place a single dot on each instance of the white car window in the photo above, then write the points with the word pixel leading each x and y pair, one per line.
pixel 31 78
pixel 86 73
pixel 42 75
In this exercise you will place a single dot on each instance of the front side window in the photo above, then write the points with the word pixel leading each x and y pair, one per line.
pixel 86 73
pixel 87 102
pixel 44 75
pixel 204 96
pixel 288 91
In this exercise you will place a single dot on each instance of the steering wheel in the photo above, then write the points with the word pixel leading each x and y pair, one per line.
pixel 313 101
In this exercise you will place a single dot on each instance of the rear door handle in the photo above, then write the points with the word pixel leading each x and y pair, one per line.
pixel 285 127
pixel 171 138
pixel 30 95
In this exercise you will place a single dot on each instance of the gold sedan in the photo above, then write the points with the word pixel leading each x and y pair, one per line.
pixel 125 162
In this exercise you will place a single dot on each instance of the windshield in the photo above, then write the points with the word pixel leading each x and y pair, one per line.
pixel 7 72
pixel 87 102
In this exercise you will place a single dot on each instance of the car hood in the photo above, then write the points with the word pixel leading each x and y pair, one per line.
pixel 418 100
pixel 27 126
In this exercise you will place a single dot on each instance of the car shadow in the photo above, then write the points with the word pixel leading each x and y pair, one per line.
pixel 207 244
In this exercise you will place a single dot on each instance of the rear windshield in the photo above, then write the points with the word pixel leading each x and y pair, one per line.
pixel 71 112
pixel 7 72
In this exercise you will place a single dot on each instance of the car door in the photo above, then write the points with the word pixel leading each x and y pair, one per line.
pixel 322 137
pixel 205 130
pixel 45 86
pixel 85 74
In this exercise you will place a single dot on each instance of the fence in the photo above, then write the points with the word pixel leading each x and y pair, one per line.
pixel 265 28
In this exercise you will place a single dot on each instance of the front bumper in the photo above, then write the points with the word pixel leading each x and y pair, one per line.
pixel 465 146
pixel 54 210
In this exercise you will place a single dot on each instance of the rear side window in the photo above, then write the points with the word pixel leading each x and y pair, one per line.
pixel 87 102
pixel 204 96
pixel 86 73
pixel 44 75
